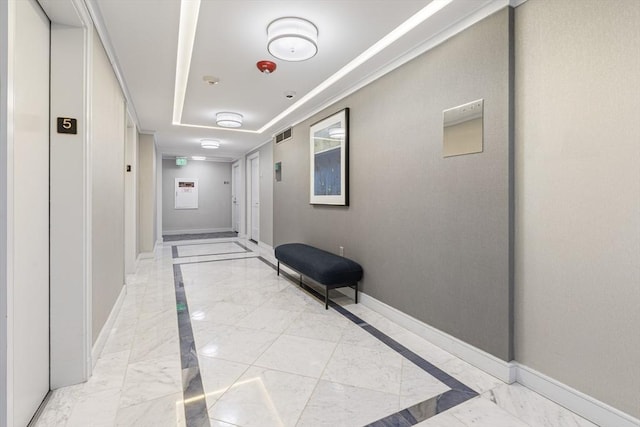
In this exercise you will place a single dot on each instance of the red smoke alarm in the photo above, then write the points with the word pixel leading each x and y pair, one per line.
pixel 266 67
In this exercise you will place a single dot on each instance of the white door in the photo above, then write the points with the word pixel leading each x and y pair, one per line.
pixel 235 198
pixel 255 199
pixel 30 188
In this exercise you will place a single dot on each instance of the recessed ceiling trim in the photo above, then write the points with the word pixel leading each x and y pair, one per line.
pixel 216 128
pixel 408 25
pixel 188 36
pixel 478 15
pixel 189 10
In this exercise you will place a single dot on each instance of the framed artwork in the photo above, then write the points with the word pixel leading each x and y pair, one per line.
pixel 329 150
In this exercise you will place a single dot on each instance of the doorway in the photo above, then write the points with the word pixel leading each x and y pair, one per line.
pixel 235 198
pixel 254 197
pixel 28 214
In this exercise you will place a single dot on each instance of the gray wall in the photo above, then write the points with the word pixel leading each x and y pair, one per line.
pixel 107 153
pixel 266 192
pixel 214 197
pixel 146 193
pixel 432 234
pixel 578 195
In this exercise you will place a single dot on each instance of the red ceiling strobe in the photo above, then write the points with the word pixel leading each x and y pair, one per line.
pixel 266 67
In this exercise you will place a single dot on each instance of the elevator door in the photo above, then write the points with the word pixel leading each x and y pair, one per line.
pixel 30 188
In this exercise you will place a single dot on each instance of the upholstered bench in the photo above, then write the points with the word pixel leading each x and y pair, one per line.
pixel 330 270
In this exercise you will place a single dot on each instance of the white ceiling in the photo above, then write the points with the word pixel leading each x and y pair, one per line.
pixel 142 37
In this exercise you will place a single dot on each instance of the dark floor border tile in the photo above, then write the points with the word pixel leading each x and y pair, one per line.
pixel 415 414
pixel 198 236
pixel 204 243
pixel 222 253
pixel 243 246
pixel 216 260
pixel 195 403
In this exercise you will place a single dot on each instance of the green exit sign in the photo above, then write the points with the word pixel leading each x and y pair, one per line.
pixel 181 161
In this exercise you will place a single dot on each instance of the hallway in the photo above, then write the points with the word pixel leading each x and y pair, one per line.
pixel 268 354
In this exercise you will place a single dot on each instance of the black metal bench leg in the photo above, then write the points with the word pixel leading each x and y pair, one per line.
pixel 278 268
pixel 326 298
pixel 356 292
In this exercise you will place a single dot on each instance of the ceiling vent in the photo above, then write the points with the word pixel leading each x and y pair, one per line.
pixel 283 136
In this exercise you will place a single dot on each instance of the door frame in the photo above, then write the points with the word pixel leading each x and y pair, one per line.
pixel 240 185
pixel 7 25
pixel 235 194
pixel 249 188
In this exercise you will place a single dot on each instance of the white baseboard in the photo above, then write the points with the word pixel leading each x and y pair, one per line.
pixel 96 351
pixel 509 372
pixel 266 251
pixel 504 371
pixel 586 406
pixel 195 231
pixel 145 255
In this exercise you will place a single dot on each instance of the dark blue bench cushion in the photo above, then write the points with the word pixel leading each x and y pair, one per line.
pixel 322 266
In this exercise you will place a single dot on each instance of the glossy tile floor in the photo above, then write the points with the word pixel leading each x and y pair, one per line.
pixel 211 318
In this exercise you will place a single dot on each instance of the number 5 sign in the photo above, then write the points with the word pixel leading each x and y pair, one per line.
pixel 67 125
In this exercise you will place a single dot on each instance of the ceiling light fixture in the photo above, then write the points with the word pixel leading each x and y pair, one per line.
pixel 402 29
pixel 211 80
pixel 229 120
pixel 292 39
pixel 180 85
pixel 198 158
pixel 211 144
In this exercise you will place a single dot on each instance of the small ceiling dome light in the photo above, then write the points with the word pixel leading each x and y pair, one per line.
pixel 292 39
pixel 336 133
pixel 267 67
pixel 211 80
pixel 229 120
pixel 211 144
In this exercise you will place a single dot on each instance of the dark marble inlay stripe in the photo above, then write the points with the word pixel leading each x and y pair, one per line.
pixel 216 260
pixel 458 394
pixel 424 410
pixel 243 247
pixel 195 404
pixel 221 253
pixel 198 236
pixel 174 251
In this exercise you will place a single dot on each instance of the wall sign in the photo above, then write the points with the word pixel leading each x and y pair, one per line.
pixel 67 125
pixel 186 193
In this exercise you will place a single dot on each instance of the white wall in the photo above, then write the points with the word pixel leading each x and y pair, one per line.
pixel 107 145
pixel 131 194
pixel 577 301
pixel 158 192
pixel 6 136
pixel 146 194
pixel 69 209
pixel 214 204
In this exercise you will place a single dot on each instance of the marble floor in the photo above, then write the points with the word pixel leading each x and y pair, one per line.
pixel 209 335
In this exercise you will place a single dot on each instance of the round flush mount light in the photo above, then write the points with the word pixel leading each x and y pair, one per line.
pixel 292 39
pixel 229 120
pixel 210 144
